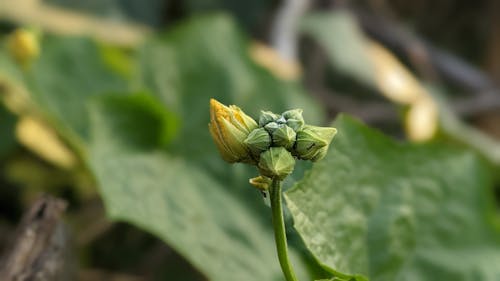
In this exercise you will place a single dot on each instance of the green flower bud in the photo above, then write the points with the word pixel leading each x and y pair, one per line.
pixel 276 162
pixel 312 142
pixel 267 117
pixel 284 136
pixel 320 154
pixel 258 141
pixel 295 124
pixel 293 114
pixel 229 127
pixel 294 119
pixel 271 127
pixel 260 182
pixel 281 120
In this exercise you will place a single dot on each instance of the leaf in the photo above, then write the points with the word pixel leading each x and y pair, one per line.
pixel 392 211
pixel 207 58
pixel 7 138
pixel 175 200
pixel 201 59
pixel 69 70
pixel 147 123
pixel 344 43
pixel 151 154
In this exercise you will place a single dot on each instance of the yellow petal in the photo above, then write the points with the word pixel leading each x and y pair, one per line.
pixel 229 127
pixel 224 151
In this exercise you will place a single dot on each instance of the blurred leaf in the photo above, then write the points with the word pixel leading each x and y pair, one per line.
pixel 393 211
pixel 7 125
pixel 337 279
pixel 175 200
pixel 166 181
pixel 12 88
pixel 205 58
pixel 9 72
pixel 148 125
pixel 44 141
pixel 118 59
pixel 270 59
pixel 345 44
pixel 394 80
pixel 70 70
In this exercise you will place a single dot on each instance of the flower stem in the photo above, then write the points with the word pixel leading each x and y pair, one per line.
pixel 279 230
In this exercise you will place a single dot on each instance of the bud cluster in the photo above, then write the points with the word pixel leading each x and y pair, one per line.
pixel 273 144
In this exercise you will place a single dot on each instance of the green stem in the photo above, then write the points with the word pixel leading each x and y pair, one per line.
pixel 279 230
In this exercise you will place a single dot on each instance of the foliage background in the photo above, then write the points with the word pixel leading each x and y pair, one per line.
pixel 112 117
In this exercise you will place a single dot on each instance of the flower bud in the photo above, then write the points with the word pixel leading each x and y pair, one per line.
pixel 267 117
pixel 258 141
pixel 295 124
pixel 281 120
pixel 294 119
pixel 229 127
pixel 271 127
pixel 260 182
pixel 23 45
pixel 276 162
pixel 312 142
pixel 293 114
pixel 284 136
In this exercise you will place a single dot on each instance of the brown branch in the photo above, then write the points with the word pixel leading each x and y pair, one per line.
pixel 41 247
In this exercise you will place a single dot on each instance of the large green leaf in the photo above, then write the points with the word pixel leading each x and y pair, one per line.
pixel 174 199
pixel 172 182
pixel 205 58
pixel 201 59
pixel 392 211
pixel 70 70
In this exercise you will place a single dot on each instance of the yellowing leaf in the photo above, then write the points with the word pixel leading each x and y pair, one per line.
pixel 268 58
pixel 42 140
pixel 370 63
pixel 421 120
pixel 392 78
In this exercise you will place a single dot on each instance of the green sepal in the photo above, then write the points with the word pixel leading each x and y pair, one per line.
pixel 284 136
pixel 295 124
pixel 271 127
pixel 312 142
pixel 258 141
pixel 293 114
pixel 267 117
pixel 276 162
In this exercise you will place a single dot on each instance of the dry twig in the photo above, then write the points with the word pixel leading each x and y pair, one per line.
pixel 41 249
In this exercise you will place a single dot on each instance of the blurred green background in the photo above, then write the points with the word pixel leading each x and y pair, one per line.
pixel 105 105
